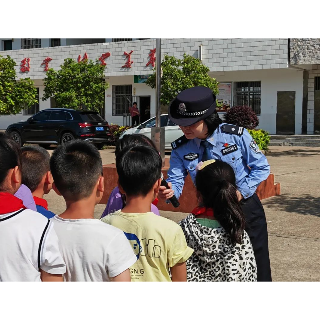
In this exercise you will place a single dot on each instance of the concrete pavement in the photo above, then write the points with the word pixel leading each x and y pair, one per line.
pixel 293 218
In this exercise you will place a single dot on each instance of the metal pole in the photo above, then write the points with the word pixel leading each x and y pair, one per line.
pixel 158 80
pixel 158 133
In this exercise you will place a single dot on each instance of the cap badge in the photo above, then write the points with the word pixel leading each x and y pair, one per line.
pixel 182 108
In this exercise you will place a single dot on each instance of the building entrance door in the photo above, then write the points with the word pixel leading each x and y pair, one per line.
pixel 285 112
pixel 144 107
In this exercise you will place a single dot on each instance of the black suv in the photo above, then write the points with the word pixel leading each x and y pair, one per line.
pixel 59 125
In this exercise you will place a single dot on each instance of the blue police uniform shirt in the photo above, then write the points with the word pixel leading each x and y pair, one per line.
pixel 240 151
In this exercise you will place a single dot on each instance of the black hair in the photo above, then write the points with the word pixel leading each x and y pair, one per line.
pixel 10 157
pixel 134 103
pixel 138 169
pixel 76 167
pixel 132 140
pixel 216 185
pixel 35 163
pixel 212 122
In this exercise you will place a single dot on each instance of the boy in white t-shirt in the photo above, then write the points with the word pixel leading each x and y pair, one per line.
pixel 29 249
pixel 93 250
pixel 159 243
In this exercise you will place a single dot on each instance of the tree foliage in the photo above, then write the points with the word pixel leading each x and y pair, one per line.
pixel 15 94
pixel 181 74
pixel 77 85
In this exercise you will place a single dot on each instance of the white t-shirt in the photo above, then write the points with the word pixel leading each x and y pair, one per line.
pixel 92 250
pixel 27 242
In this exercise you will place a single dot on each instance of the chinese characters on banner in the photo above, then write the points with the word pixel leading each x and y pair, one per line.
pixel 224 97
pixel 25 63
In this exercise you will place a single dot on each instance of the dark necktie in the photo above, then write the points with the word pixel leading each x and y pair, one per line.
pixel 206 153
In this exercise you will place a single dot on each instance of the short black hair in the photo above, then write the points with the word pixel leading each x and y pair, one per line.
pixel 132 140
pixel 134 103
pixel 35 163
pixel 138 169
pixel 76 167
pixel 10 156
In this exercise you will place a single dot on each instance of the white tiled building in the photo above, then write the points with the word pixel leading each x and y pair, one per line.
pixel 267 74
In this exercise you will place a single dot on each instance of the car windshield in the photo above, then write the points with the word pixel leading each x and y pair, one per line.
pixel 152 122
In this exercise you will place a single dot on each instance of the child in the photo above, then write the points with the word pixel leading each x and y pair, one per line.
pixel 159 243
pixel 117 201
pixel 215 229
pixel 36 176
pixel 93 251
pixel 29 249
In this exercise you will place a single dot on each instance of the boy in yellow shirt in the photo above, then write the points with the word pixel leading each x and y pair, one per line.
pixel 159 243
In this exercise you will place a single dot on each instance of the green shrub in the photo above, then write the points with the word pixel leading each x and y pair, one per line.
pixel 261 137
pixel 116 131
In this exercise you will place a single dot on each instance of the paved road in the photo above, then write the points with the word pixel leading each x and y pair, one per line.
pixel 293 218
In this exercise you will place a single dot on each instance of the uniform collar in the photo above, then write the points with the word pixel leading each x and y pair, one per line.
pixel 41 202
pixel 212 139
pixel 9 203
pixel 204 211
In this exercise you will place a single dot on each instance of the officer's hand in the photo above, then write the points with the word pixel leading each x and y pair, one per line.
pixel 240 196
pixel 165 193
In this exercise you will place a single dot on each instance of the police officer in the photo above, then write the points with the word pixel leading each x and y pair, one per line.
pixel 206 137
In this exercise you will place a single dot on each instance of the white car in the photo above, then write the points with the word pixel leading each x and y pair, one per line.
pixel 172 131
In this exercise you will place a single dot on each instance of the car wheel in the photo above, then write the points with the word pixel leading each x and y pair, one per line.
pixel 66 137
pixel 15 136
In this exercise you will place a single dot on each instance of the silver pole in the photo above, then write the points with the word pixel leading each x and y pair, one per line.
pixel 158 133
pixel 158 80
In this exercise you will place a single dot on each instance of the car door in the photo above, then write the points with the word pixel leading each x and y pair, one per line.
pixel 54 125
pixel 34 129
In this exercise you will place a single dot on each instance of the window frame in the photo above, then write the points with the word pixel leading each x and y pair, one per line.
pixel 30 43
pixel 248 93
pixel 124 96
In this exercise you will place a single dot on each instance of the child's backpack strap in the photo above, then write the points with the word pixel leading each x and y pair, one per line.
pixel 41 242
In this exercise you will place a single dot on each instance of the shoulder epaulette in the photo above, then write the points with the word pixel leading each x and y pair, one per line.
pixel 230 128
pixel 179 142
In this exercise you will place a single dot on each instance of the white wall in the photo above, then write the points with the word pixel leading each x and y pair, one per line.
pixel 271 82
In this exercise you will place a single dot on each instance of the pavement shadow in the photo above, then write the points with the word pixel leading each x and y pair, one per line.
pixel 295 153
pixel 304 204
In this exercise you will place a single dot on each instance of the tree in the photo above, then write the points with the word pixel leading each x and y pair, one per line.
pixel 77 85
pixel 181 74
pixel 15 95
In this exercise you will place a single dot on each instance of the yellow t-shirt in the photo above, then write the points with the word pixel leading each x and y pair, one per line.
pixel 158 243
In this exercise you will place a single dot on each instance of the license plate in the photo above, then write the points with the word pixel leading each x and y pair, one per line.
pixel 99 129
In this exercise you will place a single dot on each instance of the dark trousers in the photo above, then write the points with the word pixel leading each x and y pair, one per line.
pixel 135 121
pixel 256 227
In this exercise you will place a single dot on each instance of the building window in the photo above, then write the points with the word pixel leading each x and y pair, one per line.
pixel 55 43
pixel 248 93
pixel 7 45
pixel 30 43
pixel 33 109
pixel 121 99
pixel 121 39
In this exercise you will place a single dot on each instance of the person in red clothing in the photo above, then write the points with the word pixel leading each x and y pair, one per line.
pixel 135 114
pixel 29 248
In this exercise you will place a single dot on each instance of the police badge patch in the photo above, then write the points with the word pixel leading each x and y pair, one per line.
pixel 191 156
pixel 254 147
pixel 229 149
